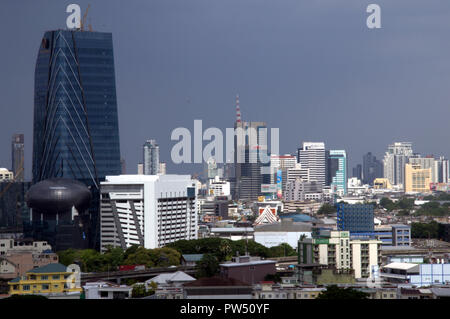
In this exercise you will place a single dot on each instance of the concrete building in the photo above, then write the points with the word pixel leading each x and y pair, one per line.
pixel 151 157
pixel 106 290
pixel 22 245
pixel 17 263
pixel 47 280
pixel 233 233
pixel 218 187
pixel 394 161
pixel 250 270
pixel 336 171
pixel 287 231
pixel 418 275
pixel 6 175
pixel 301 190
pixel 217 288
pixel 337 250
pixel 147 210
pixel 312 156
pixel 417 179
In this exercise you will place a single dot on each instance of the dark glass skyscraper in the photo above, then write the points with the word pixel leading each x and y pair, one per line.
pixel 76 132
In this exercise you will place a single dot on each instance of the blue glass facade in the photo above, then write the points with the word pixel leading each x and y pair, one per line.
pixel 76 130
pixel 76 133
pixel 356 218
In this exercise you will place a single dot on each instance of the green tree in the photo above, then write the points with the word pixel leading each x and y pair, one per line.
pixel 326 209
pixel 387 204
pixel 425 230
pixel 139 290
pixel 334 292
pixel 208 266
pixel 282 250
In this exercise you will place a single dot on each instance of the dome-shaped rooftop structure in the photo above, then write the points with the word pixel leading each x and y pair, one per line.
pixel 59 195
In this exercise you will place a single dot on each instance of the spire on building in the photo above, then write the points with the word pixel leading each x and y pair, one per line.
pixel 238 110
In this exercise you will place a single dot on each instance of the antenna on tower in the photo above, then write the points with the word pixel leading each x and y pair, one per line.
pixel 238 110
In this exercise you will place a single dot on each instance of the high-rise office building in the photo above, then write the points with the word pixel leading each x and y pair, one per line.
pixel 417 179
pixel 372 168
pixel 76 131
pixel 357 172
pixel 147 210
pixel 280 164
pixel 395 158
pixel 337 170
pixel 17 157
pixel 250 158
pixel 438 166
pixel 312 156
pixel 151 157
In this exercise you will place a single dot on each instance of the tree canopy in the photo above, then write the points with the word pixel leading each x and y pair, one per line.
pixel 335 292
pixel 92 261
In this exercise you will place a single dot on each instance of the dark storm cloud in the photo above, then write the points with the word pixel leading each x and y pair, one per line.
pixel 311 68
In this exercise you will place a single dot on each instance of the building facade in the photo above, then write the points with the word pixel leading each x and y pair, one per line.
pixel 151 158
pixel 417 179
pixel 356 218
pixel 337 170
pixel 394 161
pixel 312 156
pixel 147 210
pixel 372 168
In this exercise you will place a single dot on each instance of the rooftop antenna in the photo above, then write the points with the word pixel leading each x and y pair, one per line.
pixel 82 22
pixel 238 110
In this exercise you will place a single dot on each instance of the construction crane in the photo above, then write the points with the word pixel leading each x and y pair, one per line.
pixel 83 21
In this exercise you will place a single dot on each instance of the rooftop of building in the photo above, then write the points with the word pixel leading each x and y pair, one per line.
pixel 192 257
pixel 248 263
pixel 216 282
pixel 400 266
pixel 167 278
pixel 139 179
pixel 50 268
pixel 286 225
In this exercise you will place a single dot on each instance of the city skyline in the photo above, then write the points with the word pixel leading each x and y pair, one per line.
pixel 184 73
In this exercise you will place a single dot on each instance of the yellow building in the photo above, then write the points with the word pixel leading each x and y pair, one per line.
pixel 381 183
pixel 49 279
pixel 417 179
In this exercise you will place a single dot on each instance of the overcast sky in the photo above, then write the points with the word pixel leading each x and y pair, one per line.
pixel 310 67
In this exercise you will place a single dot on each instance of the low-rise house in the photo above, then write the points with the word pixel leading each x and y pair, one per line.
pixel 52 279
pixel 190 259
pixel 106 290
pixel 414 293
pixel 169 285
pixel 250 270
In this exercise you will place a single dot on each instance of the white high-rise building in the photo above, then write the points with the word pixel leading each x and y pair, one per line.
pixel 312 157
pixel 394 161
pixel 151 158
pixel 147 210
